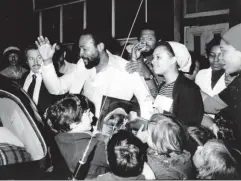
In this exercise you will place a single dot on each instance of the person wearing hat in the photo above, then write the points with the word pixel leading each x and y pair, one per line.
pixel 227 102
pixel 11 57
pixel 177 94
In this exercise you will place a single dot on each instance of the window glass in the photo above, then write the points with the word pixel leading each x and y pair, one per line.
pixel 160 14
pixel 195 6
pixel 99 15
pixel 125 12
pixel 51 20
pixel 72 21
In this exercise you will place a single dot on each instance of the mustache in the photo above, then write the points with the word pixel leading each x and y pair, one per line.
pixel 36 65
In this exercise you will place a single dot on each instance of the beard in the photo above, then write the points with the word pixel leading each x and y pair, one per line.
pixel 148 53
pixel 91 62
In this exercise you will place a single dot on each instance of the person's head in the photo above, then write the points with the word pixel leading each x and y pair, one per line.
pixel 91 45
pixel 214 161
pixel 114 120
pixel 70 114
pixel 125 154
pixel 171 56
pixel 213 53
pixel 166 134
pixel 148 36
pixel 198 136
pixel 62 53
pixel 231 50
pixel 11 55
pixel 34 59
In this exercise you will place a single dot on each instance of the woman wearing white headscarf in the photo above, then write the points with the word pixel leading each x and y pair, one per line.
pixel 177 94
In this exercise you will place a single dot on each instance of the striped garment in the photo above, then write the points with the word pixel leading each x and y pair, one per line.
pixel 11 154
pixel 166 90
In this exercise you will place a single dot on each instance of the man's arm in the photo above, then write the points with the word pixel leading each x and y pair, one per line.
pixel 143 96
pixel 57 85
pixel 53 83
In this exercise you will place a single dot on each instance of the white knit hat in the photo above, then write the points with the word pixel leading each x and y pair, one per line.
pixel 11 48
pixel 183 56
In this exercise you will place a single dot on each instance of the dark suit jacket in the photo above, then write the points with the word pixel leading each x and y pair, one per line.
pixel 45 98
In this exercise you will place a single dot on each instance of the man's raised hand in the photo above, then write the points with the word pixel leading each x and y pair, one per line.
pixel 45 49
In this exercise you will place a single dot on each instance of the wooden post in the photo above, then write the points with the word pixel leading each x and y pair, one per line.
pixel 177 19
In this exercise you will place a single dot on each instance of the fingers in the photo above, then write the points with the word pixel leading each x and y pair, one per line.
pixel 132 67
pixel 41 40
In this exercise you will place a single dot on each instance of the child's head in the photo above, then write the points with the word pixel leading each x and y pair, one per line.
pixel 214 161
pixel 166 134
pixel 114 121
pixel 125 154
pixel 69 114
pixel 198 136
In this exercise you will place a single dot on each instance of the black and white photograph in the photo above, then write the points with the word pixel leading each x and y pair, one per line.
pixel 120 90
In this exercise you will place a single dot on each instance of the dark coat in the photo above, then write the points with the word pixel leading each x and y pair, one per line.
pixel 72 147
pixel 187 101
pixel 232 97
pixel 177 166
pixel 45 98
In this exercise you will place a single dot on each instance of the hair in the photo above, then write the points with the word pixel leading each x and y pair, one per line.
pixel 227 129
pixel 65 112
pixel 167 134
pixel 214 42
pixel 167 46
pixel 30 47
pixel 63 49
pixel 125 154
pixel 97 35
pixel 198 136
pixel 218 162
pixel 148 26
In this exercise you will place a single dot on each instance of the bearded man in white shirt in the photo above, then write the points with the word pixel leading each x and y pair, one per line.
pixel 98 73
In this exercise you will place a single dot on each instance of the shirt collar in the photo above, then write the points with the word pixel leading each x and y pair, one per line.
pixel 113 60
pixel 32 73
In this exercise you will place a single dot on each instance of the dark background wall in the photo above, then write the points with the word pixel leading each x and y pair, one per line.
pixel 19 24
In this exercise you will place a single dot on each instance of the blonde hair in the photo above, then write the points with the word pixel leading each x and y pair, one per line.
pixel 166 134
pixel 218 162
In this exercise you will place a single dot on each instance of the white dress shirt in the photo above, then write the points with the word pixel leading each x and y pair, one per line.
pixel 27 83
pixel 204 81
pixel 113 81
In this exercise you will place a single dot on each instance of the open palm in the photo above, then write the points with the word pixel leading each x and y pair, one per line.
pixel 45 49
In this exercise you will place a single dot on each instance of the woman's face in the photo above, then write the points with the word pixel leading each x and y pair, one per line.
pixel 86 120
pixel 161 60
pixel 198 157
pixel 13 59
pixel 214 58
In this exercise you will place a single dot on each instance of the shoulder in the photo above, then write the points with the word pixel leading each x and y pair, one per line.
pixel 203 72
pixel 186 83
pixel 117 61
pixel 4 71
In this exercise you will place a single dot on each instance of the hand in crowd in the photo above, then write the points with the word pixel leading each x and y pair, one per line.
pixel 142 134
pixel 46 50
pixel 137 50
pixel 135 66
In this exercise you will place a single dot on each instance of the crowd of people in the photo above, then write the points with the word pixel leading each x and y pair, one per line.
pixel 189 123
